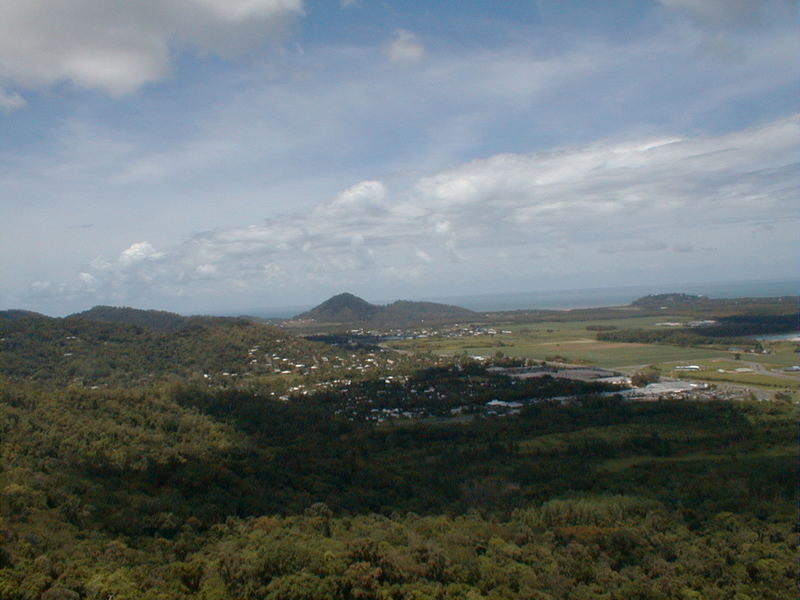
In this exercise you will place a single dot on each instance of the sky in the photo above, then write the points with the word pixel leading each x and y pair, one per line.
pixel 223 156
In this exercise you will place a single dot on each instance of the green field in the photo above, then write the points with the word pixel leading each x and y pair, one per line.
pixel 570 340
pixel 742 379
pixel 711 371
pixel 575 342
pixel 782 354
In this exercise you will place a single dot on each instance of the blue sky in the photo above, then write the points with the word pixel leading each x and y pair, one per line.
pixel 216 156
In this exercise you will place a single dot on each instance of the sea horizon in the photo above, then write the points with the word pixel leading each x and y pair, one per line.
pixel 567 299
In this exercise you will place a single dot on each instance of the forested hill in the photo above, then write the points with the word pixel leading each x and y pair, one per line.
pixel 158 320
pixel 425 311
pixel 11 315
pixel 670 300
pixel 77 350
pixel 342 308
pixel 717 307
pixel 347 308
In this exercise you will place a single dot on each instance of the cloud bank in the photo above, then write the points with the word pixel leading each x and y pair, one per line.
pixel 654 196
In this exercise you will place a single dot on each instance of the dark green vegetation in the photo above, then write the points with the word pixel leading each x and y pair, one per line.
pixel 677 337
pixel 185 487
pixel 727 331
pixel 347 308
pixel 182 493
pixel 157 320
pixel 667 300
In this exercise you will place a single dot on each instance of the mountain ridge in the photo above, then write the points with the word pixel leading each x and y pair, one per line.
pixel 157 320
pixel 349 308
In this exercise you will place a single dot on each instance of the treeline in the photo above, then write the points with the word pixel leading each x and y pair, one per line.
pixel 749 325
pixel 157 320
pixel 730 331
pixel 674 337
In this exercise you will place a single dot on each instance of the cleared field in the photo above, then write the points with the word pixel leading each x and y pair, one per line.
pixel 711 372
pixel 575 341
pixel 567 329
pixel 782 354
pixel 586 350
pixel 741 378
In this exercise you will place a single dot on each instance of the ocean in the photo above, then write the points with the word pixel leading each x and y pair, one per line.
pixel 584 298
pixel 620 296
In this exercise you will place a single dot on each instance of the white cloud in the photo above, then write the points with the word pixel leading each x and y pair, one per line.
pixel 406 47
pixel 366 198
pixel 87 279
pixel 610 197
pixel 265 137
pixel 117 46
pixel 138 253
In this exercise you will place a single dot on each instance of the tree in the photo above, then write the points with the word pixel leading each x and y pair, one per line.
pixel 647 375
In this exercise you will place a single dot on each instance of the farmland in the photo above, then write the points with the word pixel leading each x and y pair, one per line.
pixel 576 342
pixel 572 341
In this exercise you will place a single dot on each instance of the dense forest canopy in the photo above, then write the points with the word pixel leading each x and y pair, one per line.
pixel 178 492
pixel 726 331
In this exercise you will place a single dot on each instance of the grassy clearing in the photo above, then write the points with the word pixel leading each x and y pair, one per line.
pixel 711 372
pixel 581 350
pixel 579 328
pixel 742 378
pixel 782 354
pixel 576 342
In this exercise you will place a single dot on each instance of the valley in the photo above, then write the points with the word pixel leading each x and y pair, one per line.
pixel 146 455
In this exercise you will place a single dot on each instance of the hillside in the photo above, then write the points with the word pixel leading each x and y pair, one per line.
pixel 12 315
pixel 669 300
pixel 342 308
pixel 347 308
pixel 158 320
pixel 77 350
pixel 425 311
